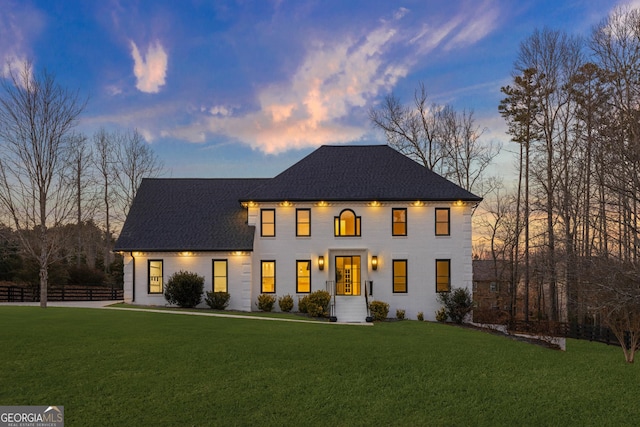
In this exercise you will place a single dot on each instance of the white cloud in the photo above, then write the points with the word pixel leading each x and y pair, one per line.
pixel 463 29
pixel 150 70
pixel 335 82
pixel 475 27
pixel 332 80
pixel 19 24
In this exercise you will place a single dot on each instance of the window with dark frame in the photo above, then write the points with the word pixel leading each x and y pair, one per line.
pixel 267 222
pixel 155 276
pixel 443 223
pixel 303 222
pixel 347 224
pixel 268 277
pixel 443 275
pixel 220 275
pixel 303 276
pixel 399 221
pixel 399 276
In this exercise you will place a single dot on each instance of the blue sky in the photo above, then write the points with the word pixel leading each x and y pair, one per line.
pixel 246 88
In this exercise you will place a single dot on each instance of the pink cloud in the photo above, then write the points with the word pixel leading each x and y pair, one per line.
pixel 150 70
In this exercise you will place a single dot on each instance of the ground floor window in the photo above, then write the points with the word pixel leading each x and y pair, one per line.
pixel 268 277
pixel 155 276
pixel 443 275
pixel 399 275
pixel 303 276
pixel 220 274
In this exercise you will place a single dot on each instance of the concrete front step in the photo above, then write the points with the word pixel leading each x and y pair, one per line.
pixel 351 309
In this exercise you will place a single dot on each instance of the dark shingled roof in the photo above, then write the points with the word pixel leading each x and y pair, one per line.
pixel 206 214
pixel 359 173
pixel 189 214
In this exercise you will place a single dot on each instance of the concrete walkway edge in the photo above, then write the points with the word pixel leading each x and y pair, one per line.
pixel 106 305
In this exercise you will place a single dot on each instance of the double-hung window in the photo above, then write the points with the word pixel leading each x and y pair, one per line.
pixel 399 275
pixel 443 275
pixel 268 277
pixel 303 222
pixel 220 275
pixel 267 222
pixel 155 276
pixel 443 223
pixel 303 276
pixel 399 221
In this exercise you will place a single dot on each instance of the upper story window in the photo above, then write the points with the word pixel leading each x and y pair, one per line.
pixel 220 275
pixel 155 276
pixel 443 275
pixel 268 222
pixel 303 222
pixel 443 223
pixel 347 224
pixel 399 221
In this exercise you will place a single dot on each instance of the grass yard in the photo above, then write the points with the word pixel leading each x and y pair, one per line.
pixel 123 368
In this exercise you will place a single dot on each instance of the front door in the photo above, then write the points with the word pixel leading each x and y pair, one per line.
pixel 348 275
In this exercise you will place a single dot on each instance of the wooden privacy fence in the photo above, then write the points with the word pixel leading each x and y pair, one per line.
pixel 9 293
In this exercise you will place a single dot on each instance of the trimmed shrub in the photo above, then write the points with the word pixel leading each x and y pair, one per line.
pixel 314 310
pixel 217 300
pixel 286 303
pixel 441 315
pixel 302 304
pixel 184 289
pixel 457 303
pixel 379 310
pixel 321 299
pixel 266 302
pixel 421 316
pixel 400 314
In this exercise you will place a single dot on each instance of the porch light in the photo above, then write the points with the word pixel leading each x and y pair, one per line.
pixel 374 262
pixel 321 262
pixel 186 253
pixel 459 203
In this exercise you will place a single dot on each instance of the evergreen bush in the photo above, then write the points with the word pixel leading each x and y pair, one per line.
pixel 217 300
pixel 266 302
pixel 379 310
pixel 457 303
pixel 184 289
pixel 285 303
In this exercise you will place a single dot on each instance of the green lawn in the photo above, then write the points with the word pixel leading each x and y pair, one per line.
pixel 123 368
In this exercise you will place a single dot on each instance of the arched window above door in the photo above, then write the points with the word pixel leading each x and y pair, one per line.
pixel 347 224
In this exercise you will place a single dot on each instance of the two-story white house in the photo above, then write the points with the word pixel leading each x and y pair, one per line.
pixel 362 222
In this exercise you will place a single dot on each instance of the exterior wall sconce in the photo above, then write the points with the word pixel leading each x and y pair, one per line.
pixel 374 263
pixel 321 262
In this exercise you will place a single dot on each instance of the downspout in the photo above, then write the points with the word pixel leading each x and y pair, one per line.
pixel 133 279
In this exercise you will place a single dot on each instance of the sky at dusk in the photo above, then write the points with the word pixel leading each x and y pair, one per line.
pixel 247 88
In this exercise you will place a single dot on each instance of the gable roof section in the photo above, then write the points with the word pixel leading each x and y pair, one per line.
pixel 189 214
pixel 358 173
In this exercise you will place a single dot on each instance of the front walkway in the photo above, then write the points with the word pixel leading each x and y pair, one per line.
pixel 106 305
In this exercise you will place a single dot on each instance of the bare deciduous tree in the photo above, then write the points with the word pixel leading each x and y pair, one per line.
pixel 135 160
pixel 613 294
pixel 36 118
pixel 437 136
